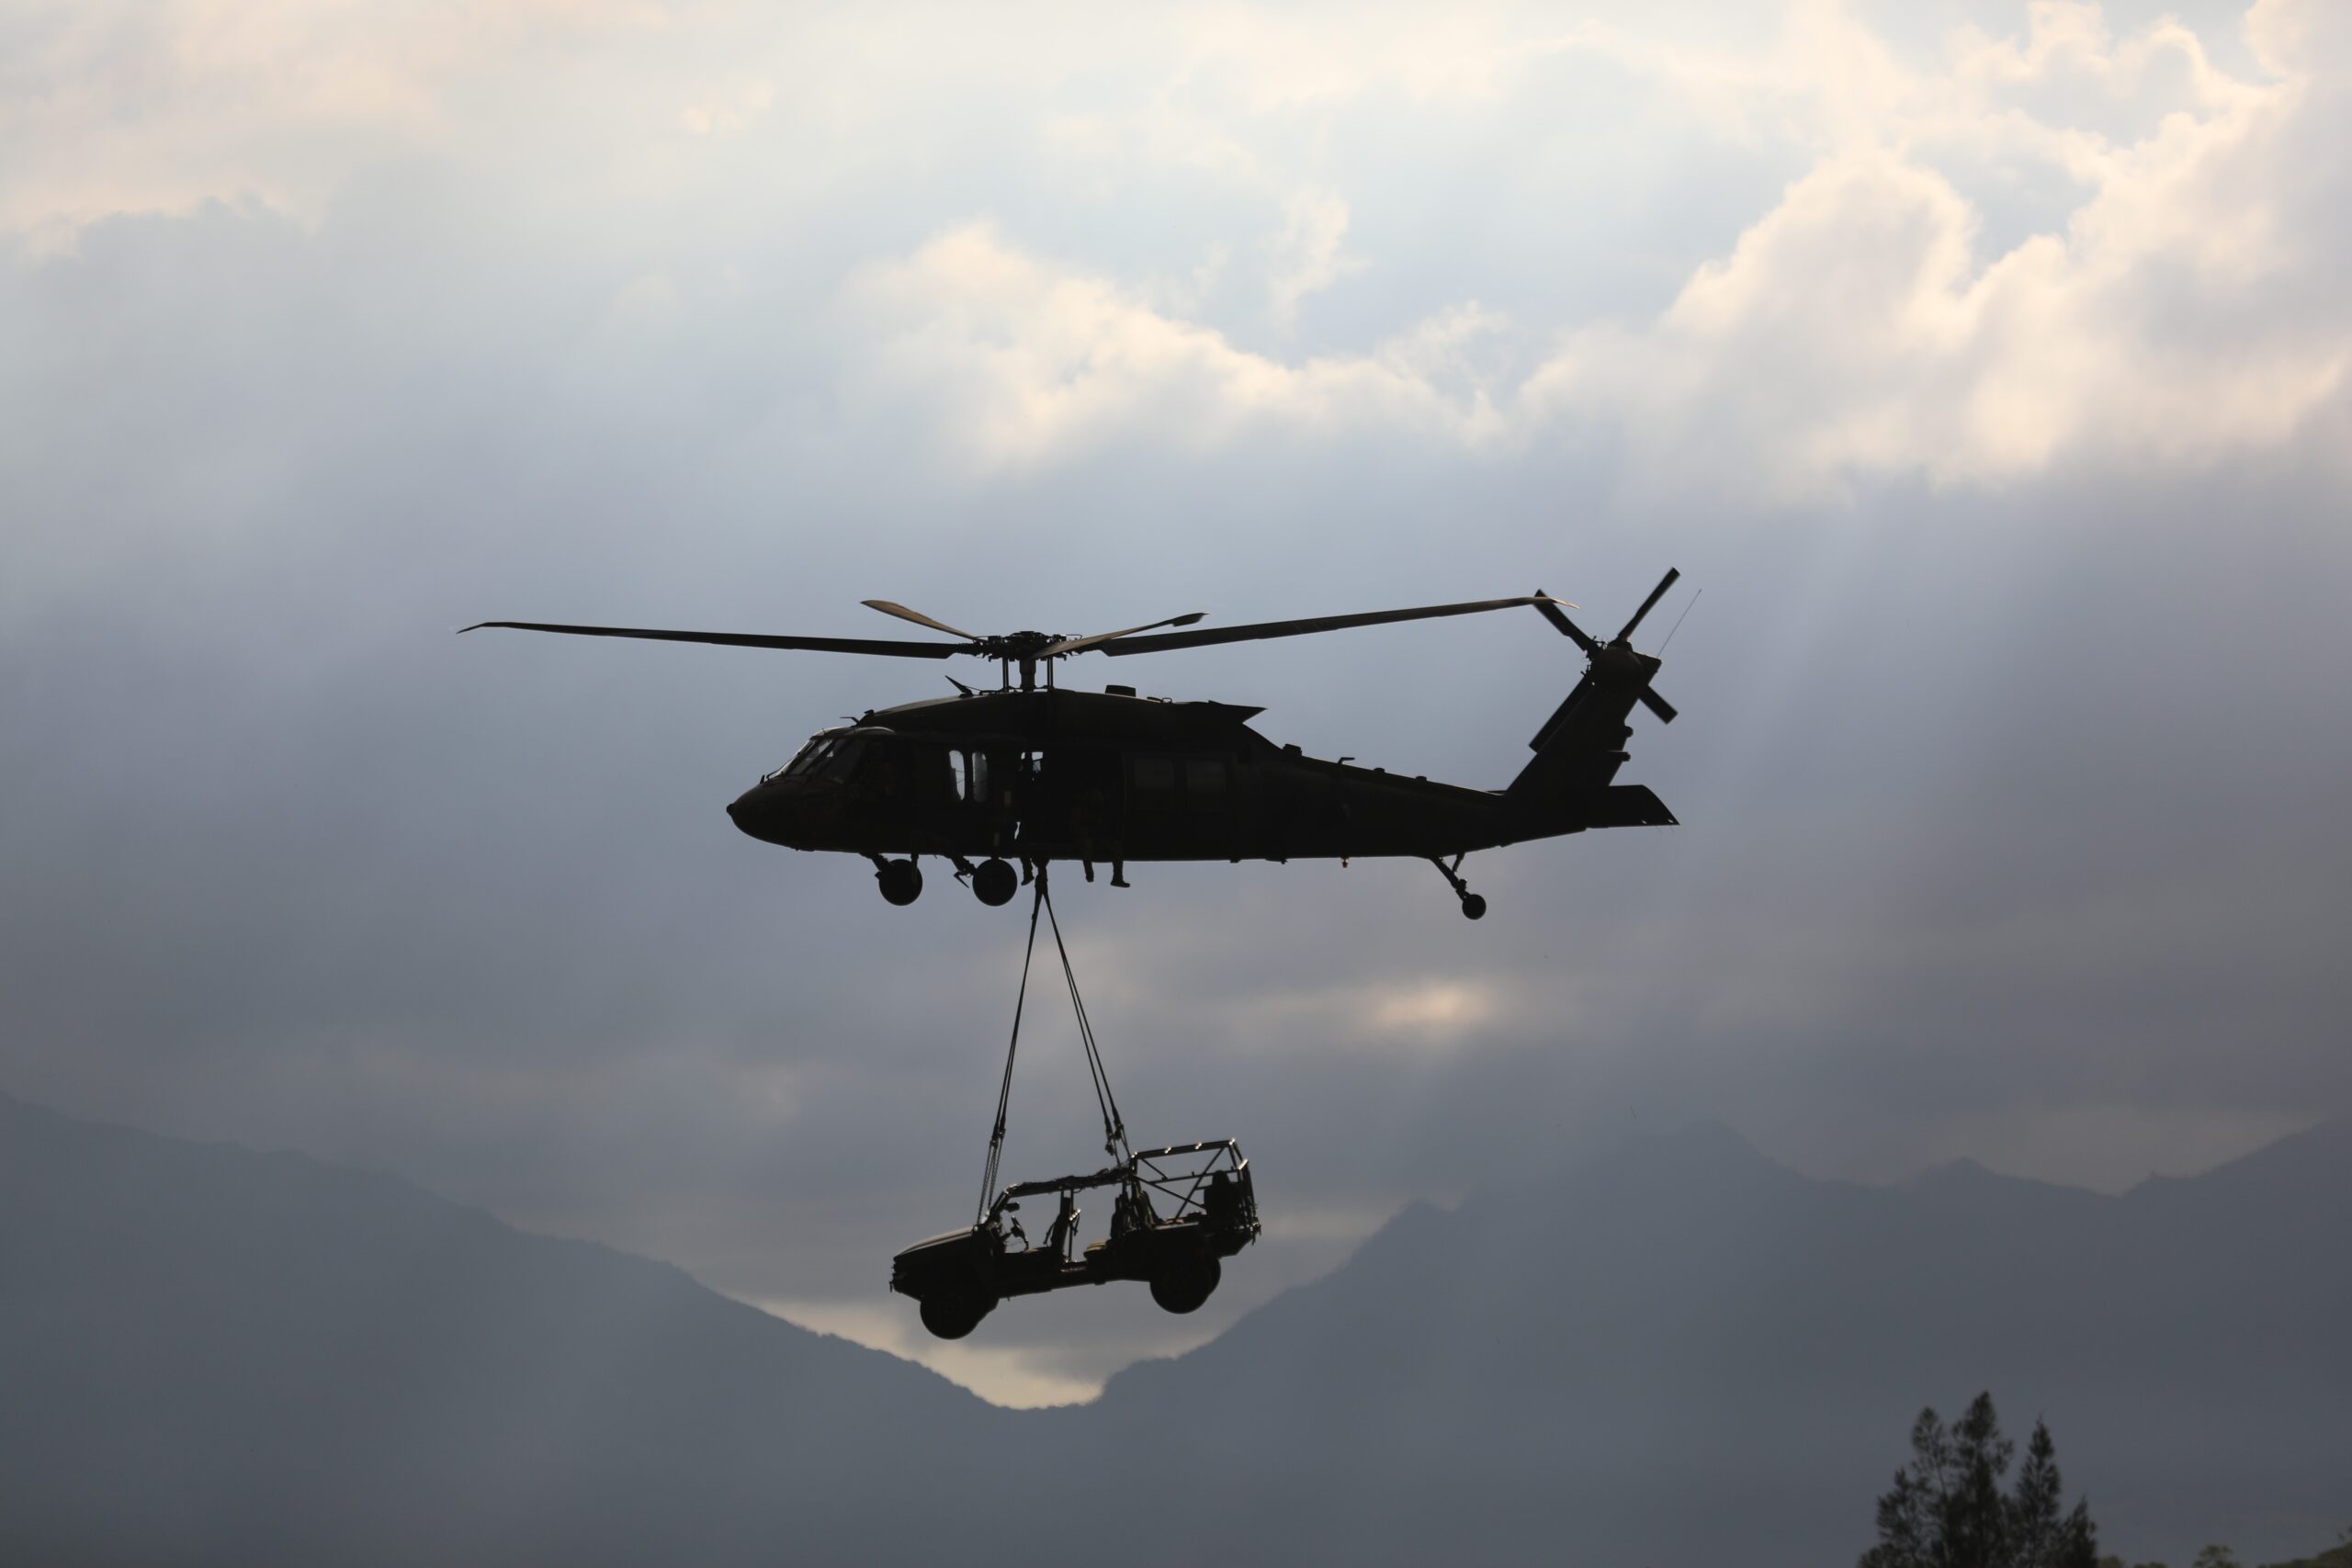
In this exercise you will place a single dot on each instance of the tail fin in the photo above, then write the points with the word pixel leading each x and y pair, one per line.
pixel 1582 745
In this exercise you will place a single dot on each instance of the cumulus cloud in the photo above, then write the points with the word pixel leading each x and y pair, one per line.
pixel 729 109
pixel 2171 306
pixel 1852 331
pixel 1307 256
pixel 1022 362
pixel 118 108
pixel 2179 312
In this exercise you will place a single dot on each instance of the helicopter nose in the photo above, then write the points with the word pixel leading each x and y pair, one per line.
pixel 748 809
pixel 768 811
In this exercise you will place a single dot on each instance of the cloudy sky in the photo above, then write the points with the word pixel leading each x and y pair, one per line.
pixel 1983 364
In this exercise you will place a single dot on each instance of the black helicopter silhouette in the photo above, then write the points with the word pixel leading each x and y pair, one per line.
pixel 1036 773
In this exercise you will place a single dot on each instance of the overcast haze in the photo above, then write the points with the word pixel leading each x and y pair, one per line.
pixel 1985 364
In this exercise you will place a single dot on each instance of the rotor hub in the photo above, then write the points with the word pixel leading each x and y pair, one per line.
pixel 1023 646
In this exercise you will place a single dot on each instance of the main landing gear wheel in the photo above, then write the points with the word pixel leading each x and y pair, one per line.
pixel 1184 1287
pixel 1473 906
pixel 952 1317
pixel 994 882
pixel 901 884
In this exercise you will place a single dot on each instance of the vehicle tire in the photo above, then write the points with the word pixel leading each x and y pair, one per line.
pixel 1474 905
pixel 954 1316
pixel 1182 1287
pixel 994 882
pixel 900 880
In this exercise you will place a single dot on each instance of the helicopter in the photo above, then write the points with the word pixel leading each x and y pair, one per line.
pixel 1035 773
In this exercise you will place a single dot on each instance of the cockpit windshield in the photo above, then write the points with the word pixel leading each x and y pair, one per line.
pixel 825 757
pixel 808 758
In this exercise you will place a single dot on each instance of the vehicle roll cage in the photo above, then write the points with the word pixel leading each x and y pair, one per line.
pixel 1181 1172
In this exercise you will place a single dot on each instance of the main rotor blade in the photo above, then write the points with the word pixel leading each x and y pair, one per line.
pixel 1079 644
pixel 1657 705
pixel 1301 628
pixel 1673 573
pixel 742 640
pixel 917 616
pixel 1549 608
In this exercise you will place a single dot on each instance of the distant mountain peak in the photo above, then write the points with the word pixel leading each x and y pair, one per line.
pixel 2320 1154
pixel 1960 1169
pixel 1706 1142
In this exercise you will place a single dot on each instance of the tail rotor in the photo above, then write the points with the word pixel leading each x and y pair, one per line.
pixel 1614 662
pixel 1673 575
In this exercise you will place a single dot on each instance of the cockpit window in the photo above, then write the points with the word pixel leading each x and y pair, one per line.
pixel 827 757
pixel 807 759
pixel 837 762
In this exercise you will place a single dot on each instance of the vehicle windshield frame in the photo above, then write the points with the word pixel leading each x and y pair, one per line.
pixel 1180 1173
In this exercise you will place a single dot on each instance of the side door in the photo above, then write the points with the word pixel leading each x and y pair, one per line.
pixel 1082 789
pixel 1179 804
pixel 1209 806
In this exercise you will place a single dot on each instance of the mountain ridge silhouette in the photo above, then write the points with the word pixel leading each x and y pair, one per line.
pixel 1674 1351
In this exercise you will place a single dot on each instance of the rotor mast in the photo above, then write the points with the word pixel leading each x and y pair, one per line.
pixel 1028 649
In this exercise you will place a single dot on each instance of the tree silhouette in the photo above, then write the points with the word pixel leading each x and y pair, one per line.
pixel 1947 1509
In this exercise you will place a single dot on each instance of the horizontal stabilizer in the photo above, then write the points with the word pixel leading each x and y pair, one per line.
pixel 1625 806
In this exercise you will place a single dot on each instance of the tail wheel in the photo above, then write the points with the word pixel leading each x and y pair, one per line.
pixel 954 1316
pixel 1184 1287
pixel 1474 905
pixel 900 880
pixel 994 882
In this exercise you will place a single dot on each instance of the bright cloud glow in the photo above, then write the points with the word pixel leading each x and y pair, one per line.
pixel 1024 362
pixel 1306 254
pixel 1434 1010
pixel 1007 1375
pixel 2172 311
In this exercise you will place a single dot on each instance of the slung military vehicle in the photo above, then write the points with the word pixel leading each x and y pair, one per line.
pixel 1178 1213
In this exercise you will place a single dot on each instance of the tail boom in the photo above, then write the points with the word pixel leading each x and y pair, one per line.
pixel 1570 781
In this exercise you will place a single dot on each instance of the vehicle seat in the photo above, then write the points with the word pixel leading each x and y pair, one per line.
pixel 1064 1231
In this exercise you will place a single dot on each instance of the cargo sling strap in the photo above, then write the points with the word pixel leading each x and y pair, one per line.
pixel 1115 1127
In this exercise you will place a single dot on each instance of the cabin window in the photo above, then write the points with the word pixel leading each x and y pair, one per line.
pixel 1197 780
pixel 969 769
